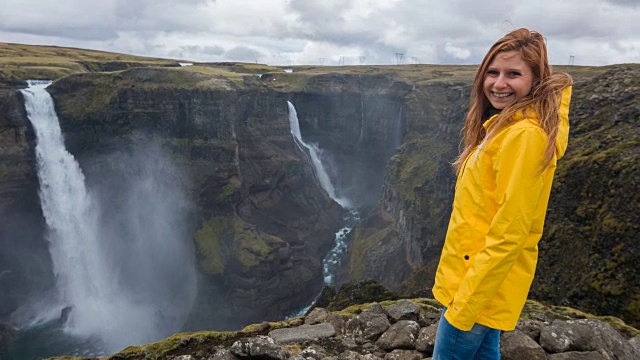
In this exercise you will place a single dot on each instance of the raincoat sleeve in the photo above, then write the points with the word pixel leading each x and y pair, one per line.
pixel 519 186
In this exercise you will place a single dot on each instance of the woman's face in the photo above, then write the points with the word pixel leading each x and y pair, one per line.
pixel 507 80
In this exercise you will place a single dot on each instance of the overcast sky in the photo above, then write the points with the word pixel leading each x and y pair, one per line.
pixel 329 32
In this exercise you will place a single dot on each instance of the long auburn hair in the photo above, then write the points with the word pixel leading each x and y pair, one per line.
pixel 544 96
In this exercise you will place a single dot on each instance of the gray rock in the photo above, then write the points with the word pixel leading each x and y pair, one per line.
pixel 401 335
pixel 403 310
pixel 184 357
pixel 428 317
pixel 370 357
pixel 562 336
pixel 349 343
pixel 349 355
pixel 577 355
pixel 635 342
pixel 400 354
pixel 610 341
pixel 338 323
pixel 427 339
pixel 315 352
pixel 302 333
pixel 367 325
pixel 316 316
pixel 531 327
pixel 375 308
pixel 260 347
pixel 223 354
pixel 516 345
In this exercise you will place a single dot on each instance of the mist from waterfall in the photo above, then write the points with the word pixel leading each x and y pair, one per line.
pixel 122 261
pixel 315 153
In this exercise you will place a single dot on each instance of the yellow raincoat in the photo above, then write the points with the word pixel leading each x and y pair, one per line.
pixel 491 248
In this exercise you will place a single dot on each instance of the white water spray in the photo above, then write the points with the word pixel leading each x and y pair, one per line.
pixel 94 260
pixel 316 160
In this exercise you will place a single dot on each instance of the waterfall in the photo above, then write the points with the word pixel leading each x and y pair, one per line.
pixel 316 158
pixel 123 271
pixel 331 262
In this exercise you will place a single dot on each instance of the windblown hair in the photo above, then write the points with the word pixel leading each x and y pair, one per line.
pixel 544 96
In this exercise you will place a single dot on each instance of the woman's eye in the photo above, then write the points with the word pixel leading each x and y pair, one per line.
pixel 514 73
pixel 492 73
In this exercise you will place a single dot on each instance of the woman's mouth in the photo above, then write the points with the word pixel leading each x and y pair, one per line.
pixel 501 95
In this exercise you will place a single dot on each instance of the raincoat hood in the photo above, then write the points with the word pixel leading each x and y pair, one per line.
pixel 563 131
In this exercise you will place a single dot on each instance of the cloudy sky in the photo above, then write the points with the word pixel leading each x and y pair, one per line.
pixel 328 32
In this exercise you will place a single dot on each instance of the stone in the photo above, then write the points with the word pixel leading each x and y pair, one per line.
pixel 223 354
pixel 516 345
pixel 370 357
pixel 610 341
pixel 577 355
pixel 403 310
pixel 375 308
pixel 562 336
pixel 531 327
pixel 426 317
pixel 316 316
pixel 184 357
pixel 401 335
pixel 427 339
pixel 635 342
pixel 349 355
pixel 262 347
pixel 302 333
pixel 337 322
pixel 367 326
pixel 399 354
pixel 315 352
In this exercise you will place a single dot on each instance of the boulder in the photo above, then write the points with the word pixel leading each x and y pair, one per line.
pixel 302 333
pixel 261 347
pixel 531 327
pixel 337 322
pixel 427 339
pixel 367 325
pixel 577 355
pixel 610 341
pixel 516 345
pixel 316 316
pixel 402 310
pixel 401 335
pixel 399 354
pixel 562 336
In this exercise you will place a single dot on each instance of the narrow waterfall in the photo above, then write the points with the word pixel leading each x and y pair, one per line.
pixel 332 259
pixel 124 272
pixel 319 169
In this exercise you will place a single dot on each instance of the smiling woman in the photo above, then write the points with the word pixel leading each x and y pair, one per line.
pixel 515 132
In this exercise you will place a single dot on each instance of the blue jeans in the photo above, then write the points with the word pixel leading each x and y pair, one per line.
pixel 479 343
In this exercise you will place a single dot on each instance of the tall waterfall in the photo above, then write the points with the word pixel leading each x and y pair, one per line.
pixel 331 262
pixel 124 270
pixel 315 153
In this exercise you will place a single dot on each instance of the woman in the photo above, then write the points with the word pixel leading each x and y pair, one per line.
pixel 515 131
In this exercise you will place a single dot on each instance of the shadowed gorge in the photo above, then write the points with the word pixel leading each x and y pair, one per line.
pixel 216 139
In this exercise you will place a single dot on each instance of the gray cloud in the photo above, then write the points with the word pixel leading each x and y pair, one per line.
pixel 243 53
pixel 597 32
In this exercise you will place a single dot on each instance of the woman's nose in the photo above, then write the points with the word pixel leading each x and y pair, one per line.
pixel 500 83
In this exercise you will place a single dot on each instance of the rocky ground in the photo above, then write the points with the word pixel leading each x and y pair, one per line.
pixel 401 329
